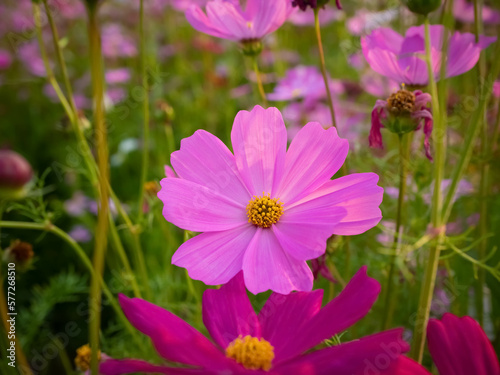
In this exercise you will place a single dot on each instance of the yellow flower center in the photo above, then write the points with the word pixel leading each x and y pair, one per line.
pixel 83 355
pixel 251 352
pixel 264 211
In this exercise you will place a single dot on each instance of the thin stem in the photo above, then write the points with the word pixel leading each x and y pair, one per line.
pixel 258 77
pixel 102 164
pixel 439 135
pixel 145 108
pixel 484 179
pixel 323 66
pixel 390 291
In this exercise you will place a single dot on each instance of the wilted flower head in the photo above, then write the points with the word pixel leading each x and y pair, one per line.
pixel 19 252
pixel 263 209
pixel 402 58
pixel 277 340
pixel 226 19
pixel 403 112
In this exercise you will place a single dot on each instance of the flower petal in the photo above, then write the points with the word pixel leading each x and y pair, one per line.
pixel 174 339
pixel 313 157
pixel 195 207
pixel 373 354
pixel 267 16
pixel 226 17
pixel 198 19
pixel 228 313
pixel 129 366
pixel 205 160
pixel 459 346
pixel 353 303
pixel 267 266
pixel 282 315
pixel 359 195
pixel 214 257
pixel 407 366
pixel 259 144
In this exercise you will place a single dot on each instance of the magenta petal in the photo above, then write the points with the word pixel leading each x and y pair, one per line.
pixel 129 366
pixel 267 16
pixel 214 257
pixel 195 207
pixel 373 354
pixel 406 366
pixel 200 22
pixel 267 266
pixel 259 143
pixel 205 160
pixel 226 17
pixel 313 157
pixel 353 303
pixel 282 315
pixel 228 313
pixel 459 346
pixel 174 339
pixel 375 137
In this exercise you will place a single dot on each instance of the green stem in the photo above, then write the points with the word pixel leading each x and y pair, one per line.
pixel 258 77
pixel 439 135
pixel 102 164
pixel 145 85
pixel 391 291
pixel 323 66
pixel 483 185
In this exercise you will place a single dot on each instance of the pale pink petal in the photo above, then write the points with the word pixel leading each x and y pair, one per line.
pixel 228 313
pixel 267 266
pixel 205 160
pixel 267 16
pixel 198 19
pixel 313 157
pixel 194 207
pixel 226 17
pixel 215 257
pixel 259 144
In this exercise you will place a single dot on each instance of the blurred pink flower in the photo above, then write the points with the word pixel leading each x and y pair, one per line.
pixel 403 112
pixel 29 54
pixel 457 346
pixel 118 75
pixel 226 18
pixel 225 195
pixel 326 16
pixel 496 89
pixel 463 10
pixel 301 82
pixel 116 43
pixel 278 340
pixel 5 59
pixel 80 234
pixel 401 58
pixel 364 21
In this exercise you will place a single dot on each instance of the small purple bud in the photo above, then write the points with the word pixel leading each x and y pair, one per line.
pixel 15 171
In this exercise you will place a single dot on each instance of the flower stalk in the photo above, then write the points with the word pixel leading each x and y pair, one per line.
pixel 258 78
pixel 102 164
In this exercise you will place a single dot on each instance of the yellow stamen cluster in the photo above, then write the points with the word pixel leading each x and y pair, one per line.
pixel 401 102
pixel 264 211
pixel 251 352
pixel 83 355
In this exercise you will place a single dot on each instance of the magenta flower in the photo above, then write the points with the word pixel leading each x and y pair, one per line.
pixel 401 58
pixel 273 342
pixel 403 112
pixel 463 10
pixel 226 19
pixel 457 346
pixel 264 210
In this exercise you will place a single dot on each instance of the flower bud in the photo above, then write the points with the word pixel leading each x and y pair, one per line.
pixel 15 173
pixel 19 252
pixel 423 7
pixel 303 4
pixel 251 47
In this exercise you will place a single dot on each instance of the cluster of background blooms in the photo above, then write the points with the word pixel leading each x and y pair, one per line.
pixel 285 159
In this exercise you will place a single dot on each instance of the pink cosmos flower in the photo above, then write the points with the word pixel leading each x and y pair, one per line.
pixel 403 112
pixel 226 19
pixel 457 346
pixel 326 16
pixel 401 58
pixel 463 10
pixel 303 82
pixel 273 342
pixel 226 196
